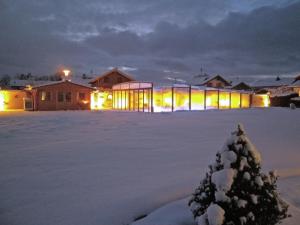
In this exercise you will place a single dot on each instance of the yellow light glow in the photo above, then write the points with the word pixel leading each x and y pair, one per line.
pixel 266 100
pixel 168 100
pixel 66 72
pixel 2 101
pixel 224 102
pixel 208 101
pixel 100 100
pixel 235 100
pixel 197 100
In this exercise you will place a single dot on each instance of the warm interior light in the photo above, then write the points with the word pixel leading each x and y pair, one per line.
pixel 168 100
pixel 101 100
pixel 208 101
pixel 2 101
pixel 266 100
pixel 224 102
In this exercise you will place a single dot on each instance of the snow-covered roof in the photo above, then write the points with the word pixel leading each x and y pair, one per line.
pixel 24 83
pixel 272 82
pixel 59 82
pixel 111 71
pixel 296 84
pixel 202 79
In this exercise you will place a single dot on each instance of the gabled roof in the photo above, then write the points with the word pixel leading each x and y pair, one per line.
pixel 296 79
pixel 217 77
pixel 296 83
pixel 241 86
pixel 60 82
pixel 272 82
pixel 112 71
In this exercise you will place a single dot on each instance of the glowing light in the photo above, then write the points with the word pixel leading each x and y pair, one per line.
pixel 224 102
pixel 66 72
pixel 2 101
pixel 168 100
pixel 100 100
pixel 208 101
pixel 266 100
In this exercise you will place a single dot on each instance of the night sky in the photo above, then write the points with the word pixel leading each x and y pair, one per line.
pixel 150 38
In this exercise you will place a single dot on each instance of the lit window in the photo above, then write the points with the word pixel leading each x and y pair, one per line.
pixel 46 96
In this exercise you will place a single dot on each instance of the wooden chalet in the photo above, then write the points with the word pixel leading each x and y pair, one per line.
pixel 63 95
pixel 216 82
pixel 241 86
pixel 110 78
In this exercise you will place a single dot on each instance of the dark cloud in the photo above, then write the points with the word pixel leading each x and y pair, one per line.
pixel 226 37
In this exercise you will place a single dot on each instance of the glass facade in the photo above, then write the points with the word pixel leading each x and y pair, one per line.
pixel 132 96
pixel 143 97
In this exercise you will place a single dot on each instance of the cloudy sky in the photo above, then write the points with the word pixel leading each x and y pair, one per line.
pixel 151 39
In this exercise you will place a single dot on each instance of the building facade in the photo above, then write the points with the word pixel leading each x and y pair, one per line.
pixel 110 78
pixel 63 95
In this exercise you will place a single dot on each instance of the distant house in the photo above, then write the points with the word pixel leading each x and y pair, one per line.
pixel 296 85
pixel 241 86
pixel 216 82
pixel 61 95
pixel 110 78
pixel 271 83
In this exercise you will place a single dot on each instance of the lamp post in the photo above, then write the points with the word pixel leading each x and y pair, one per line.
pixel 66 73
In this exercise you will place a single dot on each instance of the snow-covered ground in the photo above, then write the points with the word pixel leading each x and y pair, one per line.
pixel 99 168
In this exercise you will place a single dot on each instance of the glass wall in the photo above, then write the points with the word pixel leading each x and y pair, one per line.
pixel 135 96
pixel 260 100
pixel 224 99
pixel 197 99
pixel 245 100
pixel 132 96
pixel 162 99
pixel 102 100
pixel 235 100
pixel 181 98
pixel 212 97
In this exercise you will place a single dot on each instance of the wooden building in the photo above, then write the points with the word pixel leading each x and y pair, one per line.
pixel 63 95
pixel 241 86
pixel 110 78
pixel 12 100
pixel 216 82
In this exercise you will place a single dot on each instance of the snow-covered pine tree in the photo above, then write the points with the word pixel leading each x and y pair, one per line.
pixel 235 191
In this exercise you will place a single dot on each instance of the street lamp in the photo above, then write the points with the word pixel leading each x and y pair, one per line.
pixel 66 73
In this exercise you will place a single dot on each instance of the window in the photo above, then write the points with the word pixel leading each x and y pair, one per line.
pixel 106 79
pixel 46 96
pixel 60 97
pixel 68 97
pixel 81 96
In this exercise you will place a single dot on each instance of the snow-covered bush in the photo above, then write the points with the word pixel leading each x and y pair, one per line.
pixel 235 191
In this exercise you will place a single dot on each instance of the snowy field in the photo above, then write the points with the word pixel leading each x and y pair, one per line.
pixel 100 168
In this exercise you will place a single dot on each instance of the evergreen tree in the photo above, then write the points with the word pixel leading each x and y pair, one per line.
pixel 235 191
